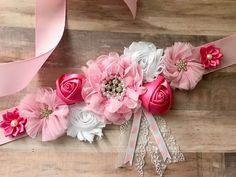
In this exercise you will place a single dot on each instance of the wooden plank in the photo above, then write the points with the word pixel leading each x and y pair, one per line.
pixel 230 164
pixel 57 163
pixel 208 17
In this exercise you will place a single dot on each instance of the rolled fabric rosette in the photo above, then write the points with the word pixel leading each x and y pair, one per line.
pixel 69 87
pixel 158 97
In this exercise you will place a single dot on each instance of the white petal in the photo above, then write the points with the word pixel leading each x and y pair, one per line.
pixel 72 131
pixel 83 123
pixel 148 56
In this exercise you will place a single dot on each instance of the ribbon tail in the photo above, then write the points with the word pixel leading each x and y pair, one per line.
pixel 129 156
pixel 158 136
pixel 50 24
pixel 132 5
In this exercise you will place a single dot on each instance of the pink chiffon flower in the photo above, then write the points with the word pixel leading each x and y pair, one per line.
pixel 13 124
pixel 112 87
pixel 46 113
pixel 182 66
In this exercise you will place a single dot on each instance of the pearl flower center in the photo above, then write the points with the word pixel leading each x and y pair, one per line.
pixel 14 123
pixel 44 113
pixel 209 56
pixel 182 65
pixel 113 87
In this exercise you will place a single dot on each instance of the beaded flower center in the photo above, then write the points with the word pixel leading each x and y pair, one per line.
pixel 209 56
pixel 113 87
pixel 182 65
pixel 14 123
pixel 44 113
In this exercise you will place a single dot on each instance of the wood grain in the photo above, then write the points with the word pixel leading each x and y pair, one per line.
pixel 203 120
pixel 55 163
pixel 206 17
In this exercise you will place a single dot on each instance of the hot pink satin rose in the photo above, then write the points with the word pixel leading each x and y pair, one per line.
pixel 69 87
pixel 158 98
pixel 112 87
pixel 210 56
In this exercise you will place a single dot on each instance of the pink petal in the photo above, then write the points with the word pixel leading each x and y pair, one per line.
pixel 114 105
pixel 132 94
pixel 54 127
pixel 130 103
pixel 34 127
pixel 16 131
pixel 8 131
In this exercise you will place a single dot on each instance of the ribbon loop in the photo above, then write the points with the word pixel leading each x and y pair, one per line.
pixel 153 127
pixel 129 156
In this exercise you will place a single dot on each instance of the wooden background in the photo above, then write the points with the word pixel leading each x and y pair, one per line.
pixel 203 120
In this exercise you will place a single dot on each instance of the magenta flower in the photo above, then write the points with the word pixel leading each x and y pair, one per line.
pixel 69 88
pixel 112 87
pixel 13 124
pixel 182 67
pixel 210 56
pixel 46 113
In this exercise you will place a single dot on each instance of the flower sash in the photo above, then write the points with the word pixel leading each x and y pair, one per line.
pixel 50 15
pixel 50 24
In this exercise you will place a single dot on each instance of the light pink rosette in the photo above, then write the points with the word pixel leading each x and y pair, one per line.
pixel 112 87
pixel 46 114
pixel 69 87
pixel 183 69
pixel 158 98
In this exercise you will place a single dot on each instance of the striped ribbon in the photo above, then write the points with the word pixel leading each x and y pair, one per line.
pixel 129 156
pixel 157 136
pixel 135 133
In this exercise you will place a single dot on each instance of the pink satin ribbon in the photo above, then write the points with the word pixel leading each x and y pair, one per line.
pixel 132 5
pixel 50 24
pixel 129 155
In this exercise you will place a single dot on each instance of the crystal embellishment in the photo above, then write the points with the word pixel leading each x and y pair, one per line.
pixel 113 86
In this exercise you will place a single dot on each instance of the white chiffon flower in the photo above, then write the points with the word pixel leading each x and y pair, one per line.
pixel 148 56
pixel 84 124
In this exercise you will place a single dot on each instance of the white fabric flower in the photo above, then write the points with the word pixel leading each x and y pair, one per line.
pixel 148 56
pixel 84 124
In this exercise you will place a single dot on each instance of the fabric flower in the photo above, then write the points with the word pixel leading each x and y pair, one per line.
pixel 158 98
pixel 46 113
pixel 147 56
pixel 84 124
pixel 112 87
pixel 13 124
pixel 69 88
pixel 210 56
pixel 182 67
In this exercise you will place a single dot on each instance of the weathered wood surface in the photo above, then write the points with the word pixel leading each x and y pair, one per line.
pixel 203 120
pixel 208 17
